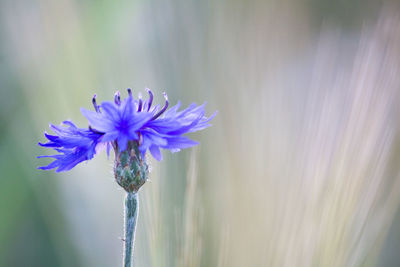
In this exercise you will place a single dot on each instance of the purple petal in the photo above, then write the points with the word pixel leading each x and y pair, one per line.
pixel 180 142
pixel 98 121
pixel 155 152
pixel 111 110
pixel 122 142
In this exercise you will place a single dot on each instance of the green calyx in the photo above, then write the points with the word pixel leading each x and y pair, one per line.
pixel 130 168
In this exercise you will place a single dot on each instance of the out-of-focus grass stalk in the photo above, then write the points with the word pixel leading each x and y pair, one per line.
pixel 190 234
pixel 188 222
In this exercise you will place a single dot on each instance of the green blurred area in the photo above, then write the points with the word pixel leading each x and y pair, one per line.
pixel 54 55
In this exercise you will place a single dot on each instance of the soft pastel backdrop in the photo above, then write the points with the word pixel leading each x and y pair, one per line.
pixel 300 168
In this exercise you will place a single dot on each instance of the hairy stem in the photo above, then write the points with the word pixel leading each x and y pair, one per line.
pixel 131 215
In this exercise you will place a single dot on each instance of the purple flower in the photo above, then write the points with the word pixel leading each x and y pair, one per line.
pixel 119 122
pixel 74 144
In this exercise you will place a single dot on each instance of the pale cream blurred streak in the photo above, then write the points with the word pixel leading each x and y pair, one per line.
pixel 153 221
pixel 223 253
pixel 188 223
pixel 191 240
pixel 319 192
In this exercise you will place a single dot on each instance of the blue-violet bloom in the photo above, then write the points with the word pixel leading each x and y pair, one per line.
pixel 116 123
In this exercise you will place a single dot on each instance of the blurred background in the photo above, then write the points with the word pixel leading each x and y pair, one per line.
pixel 300 168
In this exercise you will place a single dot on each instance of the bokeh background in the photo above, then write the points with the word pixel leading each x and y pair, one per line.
pixel 300 168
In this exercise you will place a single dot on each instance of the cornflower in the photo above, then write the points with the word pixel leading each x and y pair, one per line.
pixel 130 127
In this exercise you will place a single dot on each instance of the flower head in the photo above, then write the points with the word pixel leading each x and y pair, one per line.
pixel 121 122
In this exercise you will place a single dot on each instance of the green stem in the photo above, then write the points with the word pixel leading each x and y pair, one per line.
pixel 131 215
